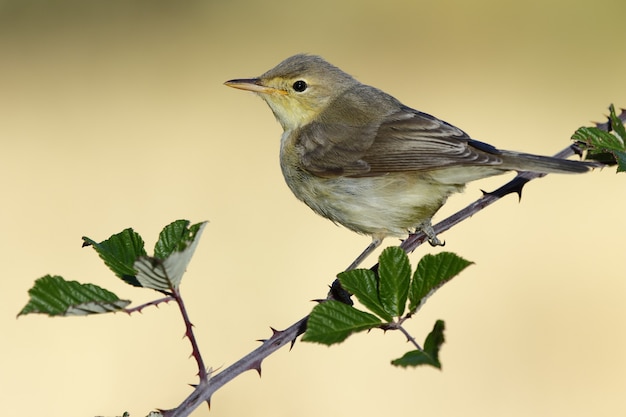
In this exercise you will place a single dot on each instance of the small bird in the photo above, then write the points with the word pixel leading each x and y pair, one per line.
pixel 359 157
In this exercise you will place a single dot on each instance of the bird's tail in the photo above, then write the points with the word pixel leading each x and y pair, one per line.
pixel 545 164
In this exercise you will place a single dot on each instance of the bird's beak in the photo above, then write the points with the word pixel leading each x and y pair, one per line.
pixel 254 85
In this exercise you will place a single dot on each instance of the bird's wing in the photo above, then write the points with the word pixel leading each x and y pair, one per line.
pixel 409 140
pixel 405 140
pixel 335 149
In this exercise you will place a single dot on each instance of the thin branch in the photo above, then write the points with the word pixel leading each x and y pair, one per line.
pixel 513 186
pixel 409 337
pixel 397 325
pixel 155 303
pixel 195 351
pixel 253 360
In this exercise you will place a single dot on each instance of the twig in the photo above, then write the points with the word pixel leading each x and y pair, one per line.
pixel 409 338
pixel 195 351
pixel 148 304
pixel 253 360
pixel 513 186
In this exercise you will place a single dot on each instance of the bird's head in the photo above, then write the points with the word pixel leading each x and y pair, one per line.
pixel 298 89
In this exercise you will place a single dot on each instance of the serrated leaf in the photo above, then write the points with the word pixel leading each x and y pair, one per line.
pixel 394 271
pixel 620 157
pixel 363 283
pixel 176 236
pixel 598 139
pixel 432 272
pixel 54 296
pixel 166 274
pixel 430 354
pixel 119 253
pixel 332 322
pixel 605 146
pixel 617 125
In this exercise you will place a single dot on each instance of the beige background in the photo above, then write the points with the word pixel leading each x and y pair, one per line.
pixel 113 114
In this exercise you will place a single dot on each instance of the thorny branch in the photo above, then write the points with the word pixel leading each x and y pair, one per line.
pixel 253 360
pixel 195 350
pixel 155 303
pixel 513 186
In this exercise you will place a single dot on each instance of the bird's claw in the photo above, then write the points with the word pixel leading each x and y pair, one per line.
pixel 436 242
pixel 432 236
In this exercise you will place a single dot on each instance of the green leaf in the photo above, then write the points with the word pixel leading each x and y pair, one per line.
pixel 604 146
pixel 363 283
pixel 617 125
pixel 430 354
pixel 394 271
pixel 620 158
pixel 332 322
pixel 166 273
pixel 119 253
pixel 432 272
pixel 598 139
pixel 176 236
pixel 54 296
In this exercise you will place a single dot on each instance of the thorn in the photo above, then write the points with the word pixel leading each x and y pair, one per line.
pixel 257 367
pixel 165 413
pixel 261 340
pixel 606 126
pixel 208 403
pixel 577 150
pixel 514 186
pixel 319 300
pixel 293 342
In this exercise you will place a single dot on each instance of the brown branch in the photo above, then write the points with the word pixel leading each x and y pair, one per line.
pixel 195 350
pixel 155 303
pixel 253 360
pixel 513 186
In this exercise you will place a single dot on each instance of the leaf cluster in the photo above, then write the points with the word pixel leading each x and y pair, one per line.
pixel 126 257
pixel 391 295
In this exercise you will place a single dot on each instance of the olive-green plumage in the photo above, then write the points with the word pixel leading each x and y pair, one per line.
pixel 361 158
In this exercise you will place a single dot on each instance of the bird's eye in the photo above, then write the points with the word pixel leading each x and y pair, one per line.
pixel 299 86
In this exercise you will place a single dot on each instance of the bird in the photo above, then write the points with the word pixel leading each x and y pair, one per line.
pixel 362 159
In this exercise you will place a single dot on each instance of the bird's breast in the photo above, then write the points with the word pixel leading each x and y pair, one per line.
pixel 387 205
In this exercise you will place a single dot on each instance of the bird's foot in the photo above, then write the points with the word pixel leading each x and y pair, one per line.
pixel 428 230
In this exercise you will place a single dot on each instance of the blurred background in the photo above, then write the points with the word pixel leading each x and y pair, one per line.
pixel 113 115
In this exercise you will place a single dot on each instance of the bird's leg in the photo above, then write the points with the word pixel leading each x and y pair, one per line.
pixel 376 241
pixel 428 230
